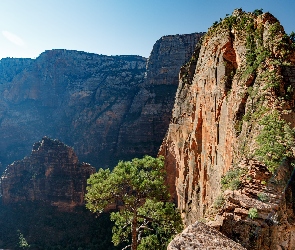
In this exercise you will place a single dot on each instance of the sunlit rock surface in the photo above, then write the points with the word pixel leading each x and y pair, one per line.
pixel 199 236
pixel 222 95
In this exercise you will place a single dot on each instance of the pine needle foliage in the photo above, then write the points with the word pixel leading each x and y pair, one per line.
pixel 145 219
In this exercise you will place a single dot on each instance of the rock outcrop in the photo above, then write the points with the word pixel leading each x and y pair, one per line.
pixel 51 174
pixel 231 129
pixel 199 236
pixel 103 106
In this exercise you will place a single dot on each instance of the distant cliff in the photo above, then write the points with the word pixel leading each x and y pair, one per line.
pixel 230 145
pixel 107 107
pixel 150 112
pixel 77 97
pixel 51 174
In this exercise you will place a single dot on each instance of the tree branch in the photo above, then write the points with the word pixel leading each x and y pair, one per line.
pixel 126 247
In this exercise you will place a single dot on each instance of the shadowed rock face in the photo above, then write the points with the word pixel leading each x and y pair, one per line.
pixel 149 115
pixel 244 71
pixel 51 174
pixel 103 106
pixel 77 97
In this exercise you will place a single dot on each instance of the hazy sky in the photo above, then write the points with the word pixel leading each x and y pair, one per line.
pixel 115 27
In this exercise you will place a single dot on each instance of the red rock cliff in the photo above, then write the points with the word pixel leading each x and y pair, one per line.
pixel 242 75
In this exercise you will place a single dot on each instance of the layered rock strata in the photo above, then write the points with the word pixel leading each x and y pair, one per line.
pixel 271 196
pixel 51 174
pixel 107 107
pixel 77 97
pixel 240 78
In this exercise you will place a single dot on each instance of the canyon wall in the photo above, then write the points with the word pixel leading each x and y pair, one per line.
pixel 77 97
pixel 150 112
pixel 222 147
pixel 107 107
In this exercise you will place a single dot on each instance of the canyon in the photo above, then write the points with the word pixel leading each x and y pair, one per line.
pixel 105 108
pixel 223 102
pixel 109 108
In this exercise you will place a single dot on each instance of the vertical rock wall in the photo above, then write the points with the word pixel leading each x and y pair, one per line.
pixel 200 139
pixel 243 73
pixel 150 113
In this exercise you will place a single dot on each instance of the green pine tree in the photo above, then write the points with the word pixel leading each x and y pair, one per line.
pixel 145 218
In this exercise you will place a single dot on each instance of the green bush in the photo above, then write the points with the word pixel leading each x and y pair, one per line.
pixel 253 213
pixel 258 12
pixel 231 180
pixel 275 141
pixel 219 202
pixel 263 197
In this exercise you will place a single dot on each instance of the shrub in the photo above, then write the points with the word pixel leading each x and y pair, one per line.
pixel 275 141
pixel 219 202
pixel 263 197
pixel 253 213
pixel 258 12
pixel 231 180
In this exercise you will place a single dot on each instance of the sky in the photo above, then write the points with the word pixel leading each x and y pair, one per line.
pixel 115 27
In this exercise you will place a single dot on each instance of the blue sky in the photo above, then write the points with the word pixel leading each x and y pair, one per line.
pixel 115 27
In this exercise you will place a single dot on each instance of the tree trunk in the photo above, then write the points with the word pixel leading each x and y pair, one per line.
pixel 134 232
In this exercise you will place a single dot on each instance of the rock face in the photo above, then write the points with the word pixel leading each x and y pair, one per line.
pixel 231 97
pixel 150 113
pixel 272 227
pixel 51 174
pixel 199 236
pixel 77 97
pixel 103 106
pixel 168 55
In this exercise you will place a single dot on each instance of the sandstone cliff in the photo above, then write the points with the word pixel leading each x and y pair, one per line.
pixel 150 112
pixel 230 144
pixel 51 174
pixel 103 106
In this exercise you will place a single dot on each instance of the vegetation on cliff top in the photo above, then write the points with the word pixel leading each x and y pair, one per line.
pixel 268 51
pixel 145 219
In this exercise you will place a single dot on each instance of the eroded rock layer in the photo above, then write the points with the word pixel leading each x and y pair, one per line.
pixel 103 106
pixel 51 174
pixel 80 98
pixel 238 86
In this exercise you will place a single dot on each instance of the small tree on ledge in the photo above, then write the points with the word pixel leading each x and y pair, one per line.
pixel 145 214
